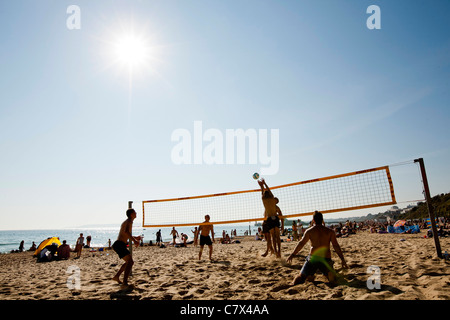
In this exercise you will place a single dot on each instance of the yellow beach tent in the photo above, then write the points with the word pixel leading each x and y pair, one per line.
pixel 47 242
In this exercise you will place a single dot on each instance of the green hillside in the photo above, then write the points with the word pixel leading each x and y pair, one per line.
pixel 441 205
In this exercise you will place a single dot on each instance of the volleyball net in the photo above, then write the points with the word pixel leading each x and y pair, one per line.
pixel 350 191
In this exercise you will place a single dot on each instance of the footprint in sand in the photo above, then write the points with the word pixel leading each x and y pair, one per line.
pixel 201 290
pixel 95 281
pixel 280 287
pixel 293 291
pixel 253 281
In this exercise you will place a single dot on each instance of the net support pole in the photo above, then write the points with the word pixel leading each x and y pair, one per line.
pixel 430 206
pixel 130 242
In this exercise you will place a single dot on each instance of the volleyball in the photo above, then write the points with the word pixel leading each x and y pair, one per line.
pixel 256 175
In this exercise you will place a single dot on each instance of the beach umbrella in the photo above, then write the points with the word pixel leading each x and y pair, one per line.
pixel 399 223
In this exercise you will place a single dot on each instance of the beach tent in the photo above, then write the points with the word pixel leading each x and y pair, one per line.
pixel 46 242
pixel 403 229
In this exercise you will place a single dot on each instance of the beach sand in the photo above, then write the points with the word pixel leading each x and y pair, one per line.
pixel 409 270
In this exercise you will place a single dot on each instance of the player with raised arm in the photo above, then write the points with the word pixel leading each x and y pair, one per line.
pixel 271 222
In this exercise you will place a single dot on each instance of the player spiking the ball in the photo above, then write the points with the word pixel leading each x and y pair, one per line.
pixel 271 222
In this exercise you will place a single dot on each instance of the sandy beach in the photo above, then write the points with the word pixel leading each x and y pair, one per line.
pixel 409 270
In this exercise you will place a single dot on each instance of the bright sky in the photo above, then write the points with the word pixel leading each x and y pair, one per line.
pixel 87 115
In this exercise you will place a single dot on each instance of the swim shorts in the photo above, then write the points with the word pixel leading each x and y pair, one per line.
pixel 313 263
pixel 270 223
pixel 120 248
pixel 205 240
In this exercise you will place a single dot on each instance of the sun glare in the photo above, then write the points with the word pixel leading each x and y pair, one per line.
pixel 131 51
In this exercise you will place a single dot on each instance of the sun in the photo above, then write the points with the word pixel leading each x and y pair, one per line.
pixel 130 48
pixel 132 51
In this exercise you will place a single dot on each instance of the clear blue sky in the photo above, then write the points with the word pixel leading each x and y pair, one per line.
pixel 76 144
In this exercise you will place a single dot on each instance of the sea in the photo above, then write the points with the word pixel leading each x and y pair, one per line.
pixel 10 239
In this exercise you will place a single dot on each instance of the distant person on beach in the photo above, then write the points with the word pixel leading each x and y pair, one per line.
pixel 158 237
pixel 33 247
pixel 88 242
pixel 120 247
pixel 320 254
pixel 205 239
pixel 226 239
pixel 195 232
pixel 294 231
pixel 300 229
pixel 21 245
pixel 174 234
pixel 63 251
pixel 271 222
pixel 79 245
pixel 184 238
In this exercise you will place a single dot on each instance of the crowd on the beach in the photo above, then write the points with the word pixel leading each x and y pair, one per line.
pixel 57 250
pixel 183 240
pixel 294 233
pixel 373 226
pixel 347 228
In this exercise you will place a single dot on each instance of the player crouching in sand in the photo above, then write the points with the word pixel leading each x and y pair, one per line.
pixel 320 254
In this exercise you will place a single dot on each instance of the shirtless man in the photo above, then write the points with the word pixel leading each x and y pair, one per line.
pixel 174 234
pixel 120 246
pixel 320 254
pixel 203 231
pixel 271 222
